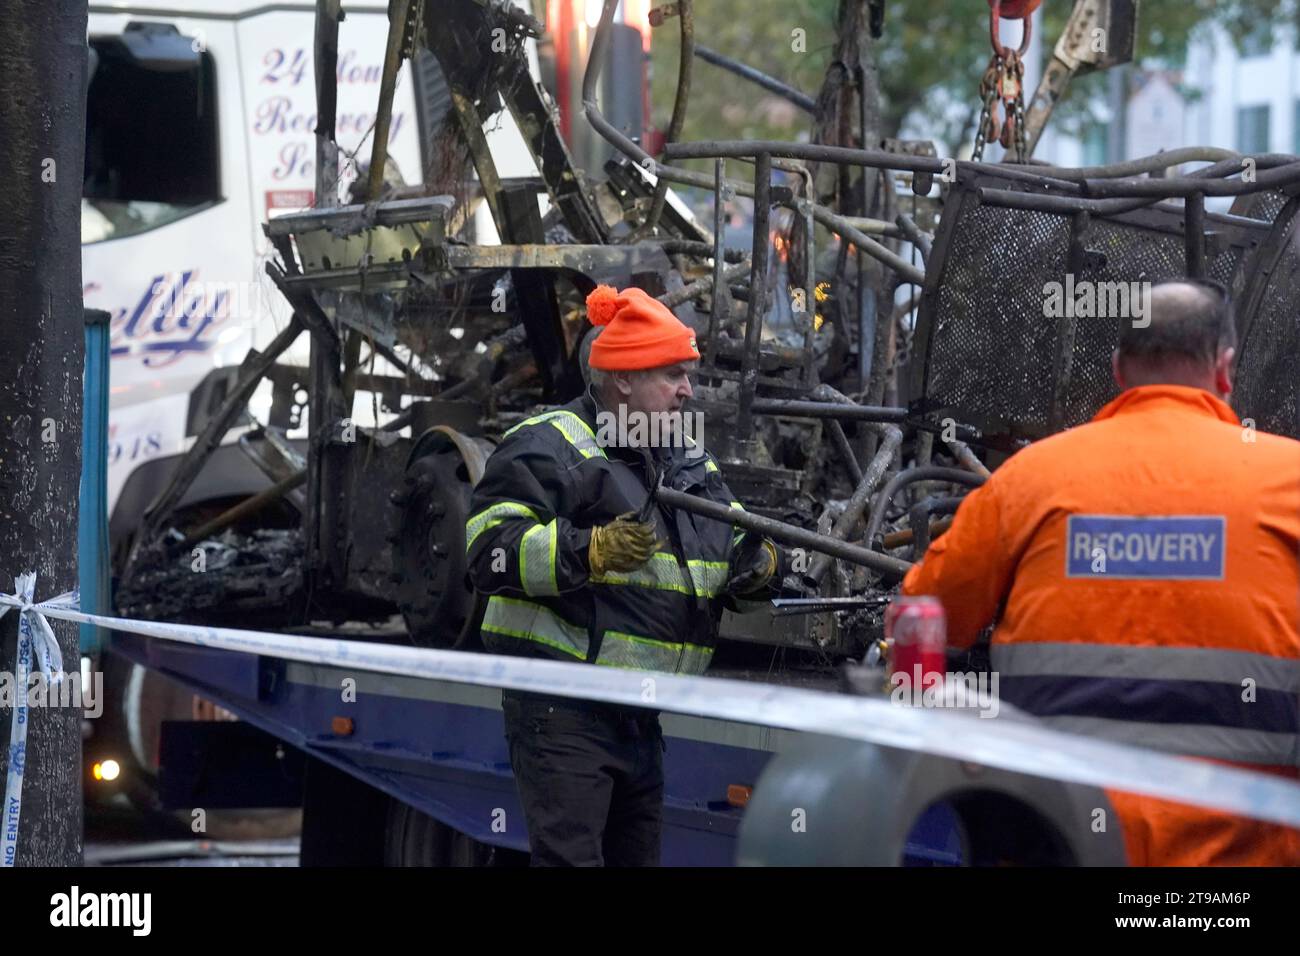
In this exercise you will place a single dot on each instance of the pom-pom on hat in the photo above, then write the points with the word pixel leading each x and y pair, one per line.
pixel 640 331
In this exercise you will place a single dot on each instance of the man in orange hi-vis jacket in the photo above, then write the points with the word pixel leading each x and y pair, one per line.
pixel 1146 566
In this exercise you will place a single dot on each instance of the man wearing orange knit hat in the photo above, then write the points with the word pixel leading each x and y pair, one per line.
pixel 581 563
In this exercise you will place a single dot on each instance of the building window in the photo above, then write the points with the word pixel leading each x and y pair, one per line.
pixel 1252 129
pixel 1258 42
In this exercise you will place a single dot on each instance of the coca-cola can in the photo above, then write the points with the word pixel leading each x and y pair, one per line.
pixel 917 632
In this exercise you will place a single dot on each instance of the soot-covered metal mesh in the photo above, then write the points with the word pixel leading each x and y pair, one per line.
pixel 1131 253
pixel 1265 205
pixel 989 351
pixel 1268 371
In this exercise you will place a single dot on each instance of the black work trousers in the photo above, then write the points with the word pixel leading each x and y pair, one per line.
pixel 590 778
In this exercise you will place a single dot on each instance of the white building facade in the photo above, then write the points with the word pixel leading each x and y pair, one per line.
pixel 1244 97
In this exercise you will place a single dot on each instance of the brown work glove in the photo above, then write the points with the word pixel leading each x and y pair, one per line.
pixel 622 545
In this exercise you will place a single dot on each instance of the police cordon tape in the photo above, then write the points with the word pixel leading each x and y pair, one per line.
pixel 1008 744
pixel 34 636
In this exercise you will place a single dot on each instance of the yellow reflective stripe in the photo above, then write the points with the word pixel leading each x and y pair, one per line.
pixel 577 421
pixel 535 420
pixel 579 435
pixel 708 577
pixel 710 466
pixel 661 571
pixel 634 652
pixel 537 560
pixel 492 516
pixel 618 649
pixel 737 533
pixel 533 622
pixel 695 660
pixel 577 432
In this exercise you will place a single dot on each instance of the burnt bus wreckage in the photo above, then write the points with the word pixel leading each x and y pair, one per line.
pixel 849 418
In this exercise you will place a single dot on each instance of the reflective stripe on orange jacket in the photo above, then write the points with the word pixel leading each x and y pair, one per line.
pixel 1146 569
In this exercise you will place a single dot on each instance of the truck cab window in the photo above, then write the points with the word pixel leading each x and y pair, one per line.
pixel 151 132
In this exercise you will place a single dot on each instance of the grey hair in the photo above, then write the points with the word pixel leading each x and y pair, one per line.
pixel 601 379
pixel 592 376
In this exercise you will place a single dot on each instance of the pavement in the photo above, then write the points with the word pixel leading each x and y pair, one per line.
pixel 117 835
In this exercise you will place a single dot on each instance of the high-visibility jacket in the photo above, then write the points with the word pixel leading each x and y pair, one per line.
pixel 543 489
pixel 1146 567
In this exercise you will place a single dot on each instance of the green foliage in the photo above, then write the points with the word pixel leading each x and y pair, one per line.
pixel 933 54
pixel 759 34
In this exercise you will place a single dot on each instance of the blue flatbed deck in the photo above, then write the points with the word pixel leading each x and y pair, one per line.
pixel 440 747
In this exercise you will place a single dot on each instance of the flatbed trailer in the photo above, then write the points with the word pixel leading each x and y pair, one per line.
pixel 404 744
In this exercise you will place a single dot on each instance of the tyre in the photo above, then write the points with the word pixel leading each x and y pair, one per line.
pixel 412 838
pixel 433 595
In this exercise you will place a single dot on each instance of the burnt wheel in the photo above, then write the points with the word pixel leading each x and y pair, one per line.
pixel 430 553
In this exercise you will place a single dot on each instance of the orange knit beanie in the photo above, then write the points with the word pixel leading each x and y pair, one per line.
pixel 640 332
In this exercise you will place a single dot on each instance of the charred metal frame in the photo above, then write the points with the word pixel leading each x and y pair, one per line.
pixel 477 75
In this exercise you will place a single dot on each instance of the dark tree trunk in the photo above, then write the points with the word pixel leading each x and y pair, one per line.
pixel 848 104
pixel 42 135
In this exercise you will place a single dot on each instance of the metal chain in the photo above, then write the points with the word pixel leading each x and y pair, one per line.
pixel 987 127
pixel 1003 82
pixel 1011 91
pixel 1022 152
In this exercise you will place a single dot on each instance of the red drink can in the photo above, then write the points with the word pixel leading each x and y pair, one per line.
pixel 917 632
